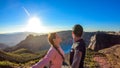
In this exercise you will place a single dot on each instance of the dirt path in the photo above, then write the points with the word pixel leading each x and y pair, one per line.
pixel 102 61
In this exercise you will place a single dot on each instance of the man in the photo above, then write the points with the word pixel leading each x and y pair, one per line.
pixel 77 54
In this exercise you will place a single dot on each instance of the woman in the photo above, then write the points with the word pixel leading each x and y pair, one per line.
pixel 55 54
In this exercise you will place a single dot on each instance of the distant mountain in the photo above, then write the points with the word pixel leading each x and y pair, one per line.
pixel 38 43
pixel 106 43
pixel 102 40
pixel 33 43
pixel 3 46
pixel 12 39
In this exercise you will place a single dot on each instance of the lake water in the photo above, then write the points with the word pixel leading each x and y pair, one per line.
pixel 66 47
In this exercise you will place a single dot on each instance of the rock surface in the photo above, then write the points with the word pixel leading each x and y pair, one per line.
pixel 113 55
pixel 103 40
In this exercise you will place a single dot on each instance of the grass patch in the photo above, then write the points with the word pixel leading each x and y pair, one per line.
pixel 89 62
pixel 19 59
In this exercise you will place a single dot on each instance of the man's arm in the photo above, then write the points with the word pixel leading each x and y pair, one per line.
pixel 76 59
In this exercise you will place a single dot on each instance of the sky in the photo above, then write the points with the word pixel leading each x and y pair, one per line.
pixel 58 15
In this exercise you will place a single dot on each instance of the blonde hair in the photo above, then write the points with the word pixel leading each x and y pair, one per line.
pixel 51 36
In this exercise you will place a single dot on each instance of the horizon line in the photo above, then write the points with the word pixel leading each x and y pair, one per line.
pixel 53 31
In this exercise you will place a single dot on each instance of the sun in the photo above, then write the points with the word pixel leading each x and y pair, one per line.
pixel 35 25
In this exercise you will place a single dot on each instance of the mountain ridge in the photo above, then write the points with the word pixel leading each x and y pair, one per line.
pixel 103 40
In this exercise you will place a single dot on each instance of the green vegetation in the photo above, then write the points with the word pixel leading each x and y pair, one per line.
pixel 21 51
pixel 20 58
pixel 24 59
pixel 8 64
pixel 89 62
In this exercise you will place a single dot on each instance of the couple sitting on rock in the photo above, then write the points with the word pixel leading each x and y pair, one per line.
pixel 55 55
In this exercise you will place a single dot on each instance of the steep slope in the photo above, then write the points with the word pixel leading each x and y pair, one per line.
pixel 113 55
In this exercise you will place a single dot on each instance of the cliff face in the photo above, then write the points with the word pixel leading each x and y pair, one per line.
pixel 103 40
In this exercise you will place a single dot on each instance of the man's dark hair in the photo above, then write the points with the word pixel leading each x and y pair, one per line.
pixel 78 30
